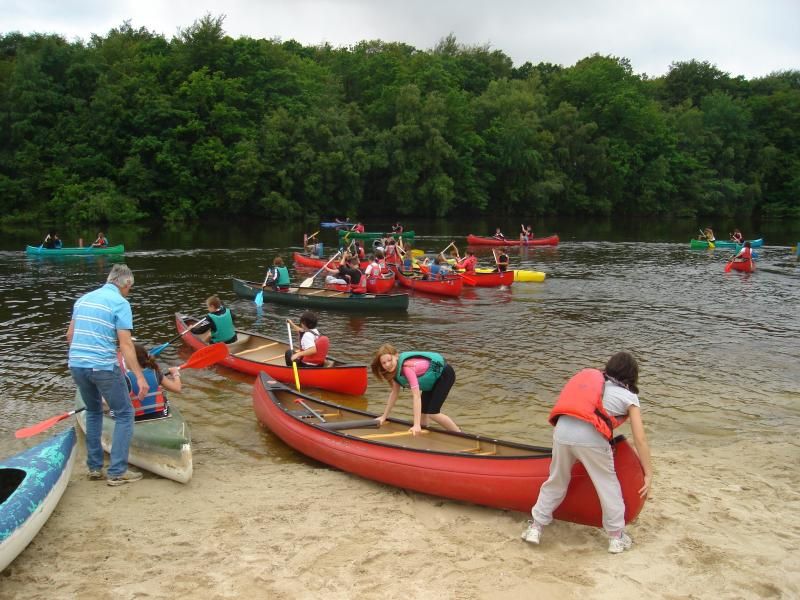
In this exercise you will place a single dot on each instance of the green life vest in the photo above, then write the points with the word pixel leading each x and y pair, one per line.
pixel 429 378
pixel 224 326
pixel 282 277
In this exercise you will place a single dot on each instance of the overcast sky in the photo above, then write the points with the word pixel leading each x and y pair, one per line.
pixel 742 37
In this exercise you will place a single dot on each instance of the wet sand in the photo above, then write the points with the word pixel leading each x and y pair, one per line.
pixel 723 522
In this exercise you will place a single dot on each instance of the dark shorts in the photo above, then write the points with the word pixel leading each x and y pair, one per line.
pixel 432 400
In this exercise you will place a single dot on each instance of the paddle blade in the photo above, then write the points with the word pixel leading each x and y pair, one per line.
pixel 158 349
pixel 206 356
pixel 27 432
pixel 728 267
pixel 308 282
pixel 259 300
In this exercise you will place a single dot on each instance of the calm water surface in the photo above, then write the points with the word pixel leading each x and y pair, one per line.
pixel 718 352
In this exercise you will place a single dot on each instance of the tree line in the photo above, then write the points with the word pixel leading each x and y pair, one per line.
pixel 132 125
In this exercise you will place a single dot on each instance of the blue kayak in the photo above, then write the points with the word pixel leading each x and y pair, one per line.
pixel 31 484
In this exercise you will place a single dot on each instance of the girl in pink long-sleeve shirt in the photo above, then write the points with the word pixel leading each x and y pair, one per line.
pixel 428 389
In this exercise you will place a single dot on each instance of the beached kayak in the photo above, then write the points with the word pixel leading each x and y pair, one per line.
pixel 254 353
pixel 477 240
pixel 316 298
pixel 85 251
pixel 461 466
pixel 161 446
pixel 31 484
pixel 702 244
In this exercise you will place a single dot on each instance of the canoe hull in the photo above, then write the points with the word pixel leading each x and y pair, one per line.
pixel 85 251
pixel 160 446
pixel 47 468
pixel 491 279
pixel 511 483
pixel 522 275
pixel 342 378
pixel 702 245
pixel 381 285
pixel 310 261
pixel 744 267
pixel 451 286
pixel 477 240
pixel 308 299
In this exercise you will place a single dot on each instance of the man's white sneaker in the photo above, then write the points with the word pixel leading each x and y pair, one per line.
pixel 619 544
pixel 533 533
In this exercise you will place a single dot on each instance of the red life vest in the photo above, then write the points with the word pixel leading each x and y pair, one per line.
pixel 582 398
pixel 746 253
pixel 321 343
pixel 468 264
pixel 154 402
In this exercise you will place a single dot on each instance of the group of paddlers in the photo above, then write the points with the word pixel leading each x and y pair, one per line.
pixel 526 234
pixel 745 253
pixel 53 242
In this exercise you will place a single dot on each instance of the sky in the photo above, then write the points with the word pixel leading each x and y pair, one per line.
pixel 741 37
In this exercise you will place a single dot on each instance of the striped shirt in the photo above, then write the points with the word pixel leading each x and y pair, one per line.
pixel 97 317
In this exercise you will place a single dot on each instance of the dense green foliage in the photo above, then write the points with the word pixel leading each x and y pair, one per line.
pixel 203 125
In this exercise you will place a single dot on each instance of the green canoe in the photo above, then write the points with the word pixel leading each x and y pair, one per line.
pixel 323 298
pixel 701 244
pixel 161 446
pixel 85 251
pixel 372 235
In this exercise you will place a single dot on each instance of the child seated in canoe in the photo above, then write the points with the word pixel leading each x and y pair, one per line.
pixel 745 254
pixel 313 346
pixel 502 262
pixel 498 235
pixel 527 233
pixel 279 275
pixel 154 405
pixel 737 236
pixel 219 326
pixel 52 241
pixel 101 241
pixel 469 262
pixel 707 235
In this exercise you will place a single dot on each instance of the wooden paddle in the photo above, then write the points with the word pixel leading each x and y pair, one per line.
pixel 294 363
pixel 310 280
pixel 159 349
pixel 204 357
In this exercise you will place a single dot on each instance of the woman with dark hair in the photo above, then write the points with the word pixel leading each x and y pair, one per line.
pixel 588 409
pixel 154 405
pixel 428 376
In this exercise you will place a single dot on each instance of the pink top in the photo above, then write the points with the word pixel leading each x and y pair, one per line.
pixel 414 367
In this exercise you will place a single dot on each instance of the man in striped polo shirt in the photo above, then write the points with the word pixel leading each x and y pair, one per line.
pixel 100 319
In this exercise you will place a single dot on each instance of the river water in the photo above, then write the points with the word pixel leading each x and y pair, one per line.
pixel 718 351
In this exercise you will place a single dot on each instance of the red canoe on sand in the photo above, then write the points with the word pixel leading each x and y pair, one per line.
pixel 254 353
pixel 460 466
pixel 451 285
pixel 476 240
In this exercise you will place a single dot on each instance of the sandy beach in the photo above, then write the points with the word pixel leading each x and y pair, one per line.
pixel 723 522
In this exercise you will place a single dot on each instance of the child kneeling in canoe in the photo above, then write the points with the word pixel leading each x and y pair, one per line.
pixel 154 405
pixel 428 376
pixel 589 407
pixel 313 346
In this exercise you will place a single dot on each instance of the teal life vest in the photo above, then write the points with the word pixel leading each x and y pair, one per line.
pixel 224 326
pixel 281 276
pixel 429 378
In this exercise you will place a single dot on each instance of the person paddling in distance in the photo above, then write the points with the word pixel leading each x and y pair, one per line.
pixel 313 346
pixel 468 263
pixel 219 326
pixel 745 254
pixel 101 319
pixel 101 241
pixel 426 374
pixel 498 235
pixel 707 235
pixel 526 235
pixel 154 405
pixel 737 236
pixel 279 275
pixel 591 404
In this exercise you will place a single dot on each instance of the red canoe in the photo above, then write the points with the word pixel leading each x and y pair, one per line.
pixel 460 466
pixel 306 260
pixel 491 279
pixel 254 353
pixel 451 285
pixel 747 266
pixel 382 284
pixel 476 240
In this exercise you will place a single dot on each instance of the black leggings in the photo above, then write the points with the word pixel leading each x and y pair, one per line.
pixel 432 400
pixel 300 363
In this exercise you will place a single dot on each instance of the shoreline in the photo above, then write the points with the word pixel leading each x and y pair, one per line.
pixel 715 526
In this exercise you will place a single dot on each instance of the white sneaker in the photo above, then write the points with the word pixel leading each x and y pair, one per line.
pixel 532 533
pixel 619 544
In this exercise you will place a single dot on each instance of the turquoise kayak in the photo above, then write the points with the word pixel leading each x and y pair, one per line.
pixel 700 244
pixel 31 484
pixel 85 251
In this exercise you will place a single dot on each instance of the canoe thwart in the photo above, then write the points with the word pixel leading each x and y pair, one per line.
pixel 375 436
pixel 359 424
pixel 256 349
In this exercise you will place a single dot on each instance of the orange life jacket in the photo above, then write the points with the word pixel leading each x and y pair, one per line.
pixel 582 398
pixel 154 401
pixel 321 343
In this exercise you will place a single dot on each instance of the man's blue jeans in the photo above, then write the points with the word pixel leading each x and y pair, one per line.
pixel 95 385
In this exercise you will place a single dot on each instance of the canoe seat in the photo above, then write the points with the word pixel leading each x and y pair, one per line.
pixel 241 341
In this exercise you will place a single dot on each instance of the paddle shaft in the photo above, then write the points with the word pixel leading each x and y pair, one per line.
pixel 27 432
pixel 309 409
pixel 294 363
pixel 159 349
pixel 307 282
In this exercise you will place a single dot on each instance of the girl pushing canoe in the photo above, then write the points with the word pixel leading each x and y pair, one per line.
pixel 428 376
pixel 589 407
